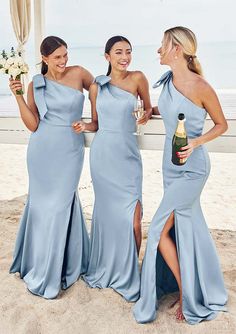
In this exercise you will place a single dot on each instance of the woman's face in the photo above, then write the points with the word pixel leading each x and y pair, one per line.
pixel 119 56
pixel 167 52
pixel 57 60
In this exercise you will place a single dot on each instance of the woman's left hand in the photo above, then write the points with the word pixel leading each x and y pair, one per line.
pixel 188 149
pixel 79 127
pixel 143 120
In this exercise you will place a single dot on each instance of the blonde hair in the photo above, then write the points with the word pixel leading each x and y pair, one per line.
pixel 187 39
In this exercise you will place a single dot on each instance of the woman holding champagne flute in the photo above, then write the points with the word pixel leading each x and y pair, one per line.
pixel 180 253
pixel 116 170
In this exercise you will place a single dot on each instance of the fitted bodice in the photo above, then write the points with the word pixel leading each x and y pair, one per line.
pixel 114 107
pixel 57 104
pixel 172 102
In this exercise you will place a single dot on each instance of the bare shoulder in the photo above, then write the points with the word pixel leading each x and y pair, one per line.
pixel 80 74
pixel 137 76
pixel 77 69
pixel 204 89
pixel 74 70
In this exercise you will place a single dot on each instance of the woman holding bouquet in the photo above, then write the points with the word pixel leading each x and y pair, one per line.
pixel 52 244
pixel 180 253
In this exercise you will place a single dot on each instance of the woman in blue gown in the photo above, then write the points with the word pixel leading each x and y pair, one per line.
pixel 52 245
pixel 116 171
pixel 180 253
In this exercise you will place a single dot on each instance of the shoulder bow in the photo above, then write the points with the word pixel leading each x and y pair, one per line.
pixel 166 77
pixel 102 80
pixel 39 85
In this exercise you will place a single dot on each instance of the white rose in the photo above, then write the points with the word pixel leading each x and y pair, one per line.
pixel 14 72
pixel 2 61
pixel 25 68
pixel 18 61
pixel 10 60
pixel 2 70
pixel 7 66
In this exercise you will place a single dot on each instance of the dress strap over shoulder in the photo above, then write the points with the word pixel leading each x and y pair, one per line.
pixel 165 78
pixel 39 85
pixel 102 80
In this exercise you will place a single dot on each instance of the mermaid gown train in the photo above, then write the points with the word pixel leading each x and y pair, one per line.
pixel 52 245
pixel 204 293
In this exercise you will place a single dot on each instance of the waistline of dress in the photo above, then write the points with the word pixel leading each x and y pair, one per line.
pixel 56 125
pixel 115 131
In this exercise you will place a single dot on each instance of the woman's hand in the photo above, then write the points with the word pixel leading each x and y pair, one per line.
pixel 188 149
pixel 79 127
pixel 15 85
pixel 145 118
pixel 155 110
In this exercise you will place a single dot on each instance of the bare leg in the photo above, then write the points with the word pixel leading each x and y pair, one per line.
pixel 137 225
pixel 168 251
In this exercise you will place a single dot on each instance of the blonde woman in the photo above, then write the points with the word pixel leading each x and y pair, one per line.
pixel 180 253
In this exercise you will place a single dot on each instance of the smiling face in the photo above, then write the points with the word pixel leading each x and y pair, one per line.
pixel 119 56
pixel 57 60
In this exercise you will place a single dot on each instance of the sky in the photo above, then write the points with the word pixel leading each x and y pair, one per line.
pixel 92 22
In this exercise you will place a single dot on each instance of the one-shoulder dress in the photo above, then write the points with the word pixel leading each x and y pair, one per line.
pixel 116 170
pixel 203 287
pixel 52 245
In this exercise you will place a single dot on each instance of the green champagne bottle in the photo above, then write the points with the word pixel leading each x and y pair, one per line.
pixel 179 140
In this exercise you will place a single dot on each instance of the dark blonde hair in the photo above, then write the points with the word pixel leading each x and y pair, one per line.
pixel 187 39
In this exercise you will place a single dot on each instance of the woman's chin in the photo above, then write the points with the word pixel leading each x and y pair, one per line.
pixel 61 69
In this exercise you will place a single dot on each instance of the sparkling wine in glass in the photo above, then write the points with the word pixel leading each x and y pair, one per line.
pixel 138 114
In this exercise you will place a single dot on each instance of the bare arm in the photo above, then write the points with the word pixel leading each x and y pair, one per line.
pixel 91 126
pixel 87 78
pixel 155 110
pixel 143 92
pixel 28 111
pixel 212 105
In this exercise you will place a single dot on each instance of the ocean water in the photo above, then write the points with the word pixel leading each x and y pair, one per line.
pixel 217 60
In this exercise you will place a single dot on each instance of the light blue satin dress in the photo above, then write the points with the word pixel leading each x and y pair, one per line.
pixel 116 170
pixel 52 245
pixel 203 287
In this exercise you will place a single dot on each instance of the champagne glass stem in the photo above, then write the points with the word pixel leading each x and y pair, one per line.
pixel 138 130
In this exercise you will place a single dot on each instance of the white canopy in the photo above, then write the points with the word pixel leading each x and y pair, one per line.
pixel 21 22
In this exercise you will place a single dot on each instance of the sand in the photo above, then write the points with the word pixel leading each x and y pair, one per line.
pixel 83 310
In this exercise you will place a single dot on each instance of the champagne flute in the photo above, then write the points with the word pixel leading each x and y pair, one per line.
pixel 138 114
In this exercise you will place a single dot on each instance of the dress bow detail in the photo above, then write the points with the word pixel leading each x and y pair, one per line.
pixel 39 85
pixel 102 80
pixel 163 79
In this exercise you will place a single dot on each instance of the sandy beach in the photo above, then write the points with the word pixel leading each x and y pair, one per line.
pixel 83 310
pixel 155 47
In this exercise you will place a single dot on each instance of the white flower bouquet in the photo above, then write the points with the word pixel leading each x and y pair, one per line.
pixel 13 65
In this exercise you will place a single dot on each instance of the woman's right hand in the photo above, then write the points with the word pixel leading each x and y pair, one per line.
pixel 15 85
pixel 155 110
